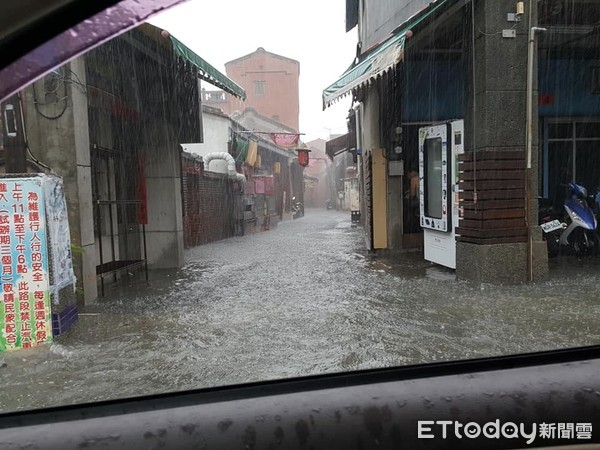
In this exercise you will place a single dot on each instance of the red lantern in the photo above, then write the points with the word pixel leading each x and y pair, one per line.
pixel 303 157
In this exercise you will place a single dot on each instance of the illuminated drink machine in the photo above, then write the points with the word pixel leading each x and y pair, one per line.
pixel 439 147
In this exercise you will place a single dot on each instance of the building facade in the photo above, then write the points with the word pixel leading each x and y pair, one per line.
pixel 114 137
pixel 317 190
pixel 271 84
pixel 425 63
pixel 274 177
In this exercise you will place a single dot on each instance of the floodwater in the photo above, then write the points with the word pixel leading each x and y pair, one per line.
pixel 303 298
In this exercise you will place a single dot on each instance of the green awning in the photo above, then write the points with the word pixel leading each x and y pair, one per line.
pixel 374 62
pixel 207 72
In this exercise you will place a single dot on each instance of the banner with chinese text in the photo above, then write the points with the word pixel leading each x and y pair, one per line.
pixel 25 316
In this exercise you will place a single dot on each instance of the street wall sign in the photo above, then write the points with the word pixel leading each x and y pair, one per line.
pixel 25 316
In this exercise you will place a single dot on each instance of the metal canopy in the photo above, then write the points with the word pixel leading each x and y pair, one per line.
pixel 336 145
pixel 377 60
pixel 207 72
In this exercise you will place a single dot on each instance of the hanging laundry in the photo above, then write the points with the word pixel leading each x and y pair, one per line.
pixel 252 152
pixel 241 149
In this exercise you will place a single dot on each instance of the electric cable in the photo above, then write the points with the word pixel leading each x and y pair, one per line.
pixel 36 104
pixel 61 81
pixel 81 85
pixel 79 82
pixel 497 32
pixel 26 138
pixel 35 160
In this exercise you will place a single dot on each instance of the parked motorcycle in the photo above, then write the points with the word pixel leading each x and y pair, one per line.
pixel 574 229
pixel 594 202
pixel 297 208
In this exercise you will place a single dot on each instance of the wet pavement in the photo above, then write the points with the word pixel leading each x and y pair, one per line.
pixel 301 299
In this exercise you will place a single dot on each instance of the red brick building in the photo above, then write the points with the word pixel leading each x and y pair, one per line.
pixel 271 84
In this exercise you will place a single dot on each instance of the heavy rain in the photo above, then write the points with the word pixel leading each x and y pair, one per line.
pixel 178 212
pixel 243 310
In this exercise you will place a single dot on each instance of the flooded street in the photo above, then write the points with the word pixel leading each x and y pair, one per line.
pixel 303 298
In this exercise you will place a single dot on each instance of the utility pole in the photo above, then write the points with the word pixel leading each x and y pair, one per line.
pixel 14 136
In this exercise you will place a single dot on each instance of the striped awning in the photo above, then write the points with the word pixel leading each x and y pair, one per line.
pixel 377 60
pixel 207 72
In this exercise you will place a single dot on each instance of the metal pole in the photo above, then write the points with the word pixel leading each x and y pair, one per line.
pixel 529 133
pixel 110 214
pixel 145 251
pixel 530 55
pixel 98 212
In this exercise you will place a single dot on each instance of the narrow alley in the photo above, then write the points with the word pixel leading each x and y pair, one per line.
pixel 303 298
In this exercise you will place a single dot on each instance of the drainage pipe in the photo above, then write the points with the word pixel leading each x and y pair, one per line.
pixel 230 164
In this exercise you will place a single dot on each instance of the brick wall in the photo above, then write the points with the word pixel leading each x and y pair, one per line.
pixel 209 213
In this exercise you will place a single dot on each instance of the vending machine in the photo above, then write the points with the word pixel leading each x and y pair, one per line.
pixel 439 147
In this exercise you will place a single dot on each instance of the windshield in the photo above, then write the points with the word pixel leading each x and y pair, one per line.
pixel 245 191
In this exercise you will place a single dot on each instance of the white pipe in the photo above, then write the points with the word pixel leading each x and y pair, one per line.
pixel 530 55
pixel 529 139
pixel 230 165
pixel 220 155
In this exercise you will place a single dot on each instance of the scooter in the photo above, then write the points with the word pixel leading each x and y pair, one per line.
pixel 594 202
pixel 297 208
pixel 577 231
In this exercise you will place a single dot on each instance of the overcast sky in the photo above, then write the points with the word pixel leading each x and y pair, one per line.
pixel 309 31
